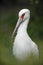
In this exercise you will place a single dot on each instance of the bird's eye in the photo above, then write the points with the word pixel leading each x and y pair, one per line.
pixel 23 16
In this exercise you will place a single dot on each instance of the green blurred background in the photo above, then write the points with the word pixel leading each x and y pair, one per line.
pixel 8 17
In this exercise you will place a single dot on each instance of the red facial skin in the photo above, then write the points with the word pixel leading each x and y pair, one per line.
pixel 22 16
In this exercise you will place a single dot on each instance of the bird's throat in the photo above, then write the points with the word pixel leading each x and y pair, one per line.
pixel 23 26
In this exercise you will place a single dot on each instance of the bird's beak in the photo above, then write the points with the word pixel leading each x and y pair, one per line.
pixel 17 26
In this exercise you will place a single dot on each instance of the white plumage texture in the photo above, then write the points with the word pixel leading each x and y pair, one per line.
pixel 23 46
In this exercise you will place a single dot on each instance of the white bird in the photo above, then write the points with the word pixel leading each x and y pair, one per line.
pixel 23 46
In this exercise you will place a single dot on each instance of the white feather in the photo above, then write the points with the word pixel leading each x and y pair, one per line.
pixel 23 46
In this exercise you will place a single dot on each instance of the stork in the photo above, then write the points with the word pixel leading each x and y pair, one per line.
pixel 23 46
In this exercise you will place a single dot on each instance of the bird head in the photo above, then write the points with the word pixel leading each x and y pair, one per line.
pixel 23 15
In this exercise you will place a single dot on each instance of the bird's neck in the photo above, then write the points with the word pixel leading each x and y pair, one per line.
pixel 23 26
